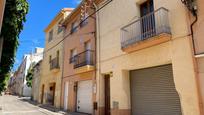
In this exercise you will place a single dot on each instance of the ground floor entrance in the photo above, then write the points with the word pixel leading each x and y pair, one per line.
pixel 51 94
pixel 42 94
pixel 78 93
pixel 84 96
pixel 153 92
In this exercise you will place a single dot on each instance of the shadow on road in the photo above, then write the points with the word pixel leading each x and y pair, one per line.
pixel 48 107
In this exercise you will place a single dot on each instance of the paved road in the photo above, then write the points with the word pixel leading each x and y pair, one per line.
pixel 12 105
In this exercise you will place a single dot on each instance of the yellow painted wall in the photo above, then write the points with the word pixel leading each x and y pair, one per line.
pixel 48 76
pixel 198 29
pixel 177 51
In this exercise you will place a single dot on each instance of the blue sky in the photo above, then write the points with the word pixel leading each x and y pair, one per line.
pixel 41 12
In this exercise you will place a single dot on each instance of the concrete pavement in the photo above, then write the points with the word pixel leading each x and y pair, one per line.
pixel 13 105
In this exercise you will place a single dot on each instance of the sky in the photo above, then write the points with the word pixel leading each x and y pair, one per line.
pixel 41 13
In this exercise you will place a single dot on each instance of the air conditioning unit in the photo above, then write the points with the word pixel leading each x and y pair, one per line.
pixel 191 5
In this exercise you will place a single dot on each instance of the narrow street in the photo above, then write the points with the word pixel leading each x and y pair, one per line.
pixel 13 105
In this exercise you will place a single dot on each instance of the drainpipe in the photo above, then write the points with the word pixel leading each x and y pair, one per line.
pixel 63 51
pixel 200 100
pixel 96 51
pixel 192 33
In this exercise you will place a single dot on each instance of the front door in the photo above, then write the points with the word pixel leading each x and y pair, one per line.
pixel 107 94
pixel 84 97
pixel 147 19
pixel 88 52
pixel 66 91
pixel 42 93
pixel 53 101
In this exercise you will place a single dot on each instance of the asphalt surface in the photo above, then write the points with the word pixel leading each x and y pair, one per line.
pixel 13 105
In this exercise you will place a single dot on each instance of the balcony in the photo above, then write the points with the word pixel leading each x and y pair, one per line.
pixel 84 61
pixel 149 30
pixel 54 65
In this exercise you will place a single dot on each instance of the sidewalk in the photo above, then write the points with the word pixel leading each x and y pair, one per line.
pixel 52 108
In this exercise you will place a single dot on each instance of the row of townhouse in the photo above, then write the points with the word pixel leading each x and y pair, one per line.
pixel 18 82
pixel 123 57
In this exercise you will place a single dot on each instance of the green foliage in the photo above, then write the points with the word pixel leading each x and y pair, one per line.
pixel 4 83
pixel 14 17
pixel 29 76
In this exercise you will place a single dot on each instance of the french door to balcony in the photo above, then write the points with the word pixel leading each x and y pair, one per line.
pixel 147 19
pixel 88 53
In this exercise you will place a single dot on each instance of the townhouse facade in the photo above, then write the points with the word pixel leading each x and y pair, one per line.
pixel 36 81
pixel 50 85
pixel 20 76
pixel 11 84
pixel 197 41
pixel 79 79
pixel 145 58
pixel 16 82
pixel 29 60
pixel 19 85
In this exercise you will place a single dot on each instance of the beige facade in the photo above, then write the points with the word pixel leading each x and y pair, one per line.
pixel 173 49
pixel 198 28
pixel 50 86
pixel 79 63
pixel 36 82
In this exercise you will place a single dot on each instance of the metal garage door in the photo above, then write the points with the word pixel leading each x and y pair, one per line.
pixel 84 97
pixel 153 92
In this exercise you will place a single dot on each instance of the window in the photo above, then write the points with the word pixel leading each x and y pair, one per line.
pixel 148 21
pixel 87 45
pixel 73 53
pixel 50 59
pixel 58 56
pixel 84 20
pixel 50 36
pixel 74 27
pixel 60 28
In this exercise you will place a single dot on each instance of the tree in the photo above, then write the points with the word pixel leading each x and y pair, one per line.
pixel 29 76
pixel 14 17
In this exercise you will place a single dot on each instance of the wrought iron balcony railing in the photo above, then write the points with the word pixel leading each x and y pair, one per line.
pixel 54 64
pixel 83 59
pixel 148 26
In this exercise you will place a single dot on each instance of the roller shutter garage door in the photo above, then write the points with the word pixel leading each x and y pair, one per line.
pixel 84 97
pixel 153 92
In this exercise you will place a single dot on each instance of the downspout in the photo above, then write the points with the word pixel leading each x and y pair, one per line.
pixel 96 57
pixel 63 51
pixel 192 33
pixel 200 100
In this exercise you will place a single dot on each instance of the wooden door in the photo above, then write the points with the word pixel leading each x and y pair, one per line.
pixel 107 95
pixel 42 95
pixel 53 101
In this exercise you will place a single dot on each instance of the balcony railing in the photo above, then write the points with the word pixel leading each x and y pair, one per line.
pixel 148 26
pixel 54 64
pixel 83 59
